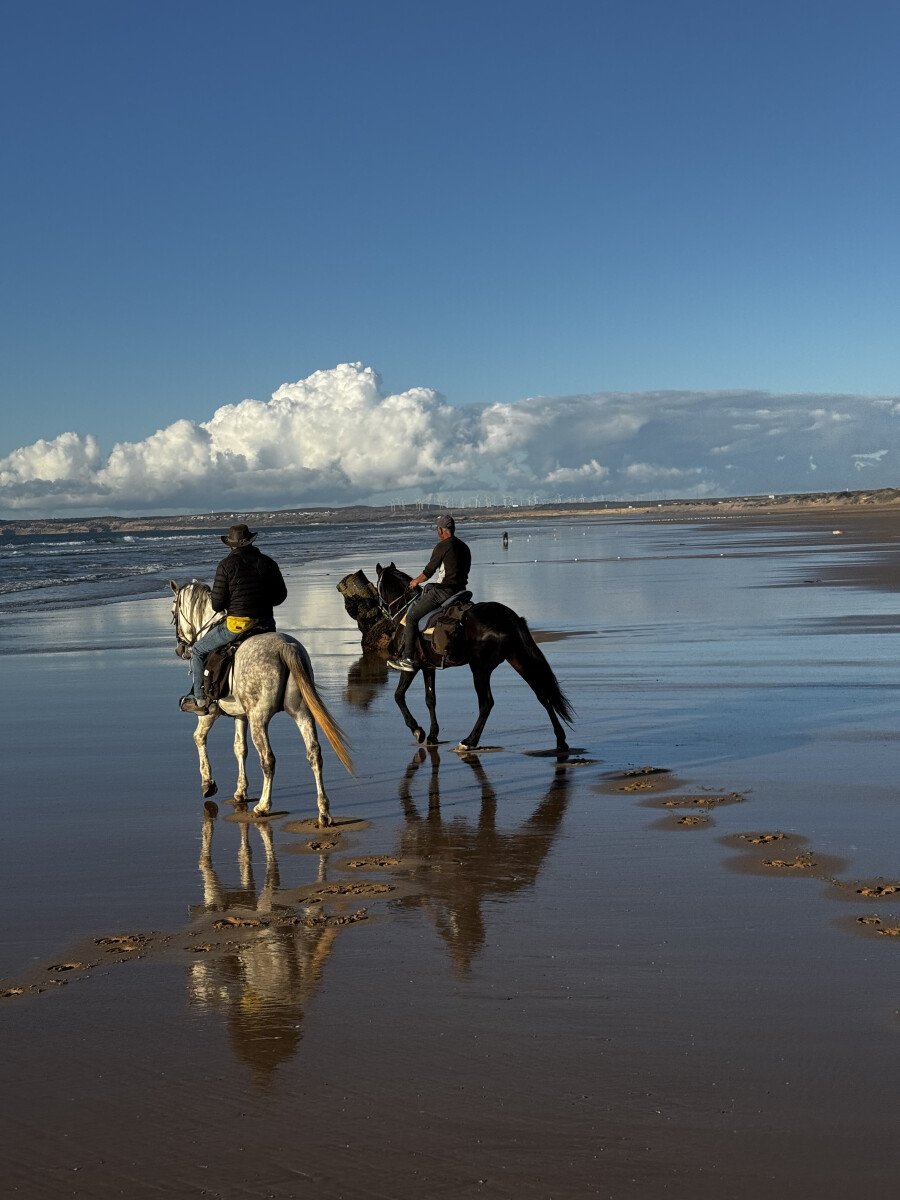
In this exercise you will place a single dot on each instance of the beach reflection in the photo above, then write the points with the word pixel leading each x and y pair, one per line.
pixel 460 864
pixel 365 680
pixel 261 983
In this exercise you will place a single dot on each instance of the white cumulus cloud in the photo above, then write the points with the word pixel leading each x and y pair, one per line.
pixel 337 437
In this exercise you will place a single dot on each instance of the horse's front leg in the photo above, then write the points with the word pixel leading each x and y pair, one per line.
pixel 240 753
pixel 428 677
pixel 259 732
pixel 481 677
pixel 406 678
pixel 201 733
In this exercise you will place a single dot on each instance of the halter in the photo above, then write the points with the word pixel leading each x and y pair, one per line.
pixel 183 643
pixel 389 607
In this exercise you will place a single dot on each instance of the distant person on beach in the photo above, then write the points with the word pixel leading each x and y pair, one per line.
pixel 450 562
pixel 247 586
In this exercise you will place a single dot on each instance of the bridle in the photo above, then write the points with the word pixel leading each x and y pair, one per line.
pixel 393 609
pixel 184 638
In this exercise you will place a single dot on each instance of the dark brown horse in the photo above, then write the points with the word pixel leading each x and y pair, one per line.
pixel 491 634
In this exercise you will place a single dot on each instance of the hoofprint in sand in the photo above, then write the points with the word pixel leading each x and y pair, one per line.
pixel 294 912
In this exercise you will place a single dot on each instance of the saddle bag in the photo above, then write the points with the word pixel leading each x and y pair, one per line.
pixel 446 635
pixel 219 665
pixel 217 671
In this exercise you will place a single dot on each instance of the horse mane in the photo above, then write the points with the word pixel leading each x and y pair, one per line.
pixel 394 572
pixel 196 596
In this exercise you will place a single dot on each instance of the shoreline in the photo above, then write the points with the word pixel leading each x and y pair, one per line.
pixel 788 504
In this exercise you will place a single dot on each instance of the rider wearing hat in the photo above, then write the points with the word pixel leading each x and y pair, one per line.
pixel 450 562
pixel 247 586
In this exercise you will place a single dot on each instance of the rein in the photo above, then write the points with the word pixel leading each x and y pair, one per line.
pixel 178 615
pixel 389 607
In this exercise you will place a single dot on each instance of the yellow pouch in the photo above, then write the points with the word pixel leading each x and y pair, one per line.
pixel 239 624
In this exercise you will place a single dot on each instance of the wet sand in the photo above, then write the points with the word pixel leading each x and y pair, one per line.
pixel 665 966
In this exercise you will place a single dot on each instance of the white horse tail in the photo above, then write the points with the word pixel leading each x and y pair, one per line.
pixel 290 656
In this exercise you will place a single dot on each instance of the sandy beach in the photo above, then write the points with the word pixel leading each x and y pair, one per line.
pixel 666 965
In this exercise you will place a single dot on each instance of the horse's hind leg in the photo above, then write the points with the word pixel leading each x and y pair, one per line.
pixel 240 753
pixel 303 720
pixel 207 783
pixel 481 677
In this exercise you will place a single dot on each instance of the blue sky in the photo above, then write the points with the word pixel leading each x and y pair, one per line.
pixel 495 201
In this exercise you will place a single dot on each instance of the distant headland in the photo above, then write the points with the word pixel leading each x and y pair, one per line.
pixel 786 503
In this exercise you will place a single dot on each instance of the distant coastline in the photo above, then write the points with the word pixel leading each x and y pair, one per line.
pixel 800 502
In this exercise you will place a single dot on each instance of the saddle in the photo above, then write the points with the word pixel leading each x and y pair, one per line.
pixel 219 667
pixel 441 631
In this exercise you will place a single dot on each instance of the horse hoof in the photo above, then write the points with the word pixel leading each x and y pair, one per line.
pixel 209 790
pixel 325 822
pixel 419 735
pixel 211 808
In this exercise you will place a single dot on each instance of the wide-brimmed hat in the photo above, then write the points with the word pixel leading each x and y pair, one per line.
pixel 237 536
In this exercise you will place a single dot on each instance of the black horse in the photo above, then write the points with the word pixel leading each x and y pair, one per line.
pixel 491 634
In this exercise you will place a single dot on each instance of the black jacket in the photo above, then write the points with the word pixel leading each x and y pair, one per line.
pixel 455 557
pixel 248 584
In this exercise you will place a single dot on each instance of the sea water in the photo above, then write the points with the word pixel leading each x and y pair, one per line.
pixel 51 571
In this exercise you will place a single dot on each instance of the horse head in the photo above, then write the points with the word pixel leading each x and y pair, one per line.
pixel 393 589
pixel 192 614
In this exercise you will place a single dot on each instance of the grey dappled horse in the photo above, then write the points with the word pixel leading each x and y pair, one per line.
pixel 272 673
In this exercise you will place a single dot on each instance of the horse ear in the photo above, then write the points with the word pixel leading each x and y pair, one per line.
pixel 378 568
pixel 174 586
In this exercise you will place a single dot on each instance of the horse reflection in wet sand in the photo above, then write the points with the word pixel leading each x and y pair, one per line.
pixel 462 865
pixel 263 984
pixel 272 674
pixel 365 679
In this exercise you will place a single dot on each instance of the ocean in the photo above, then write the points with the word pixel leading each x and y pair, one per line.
pixel 47 572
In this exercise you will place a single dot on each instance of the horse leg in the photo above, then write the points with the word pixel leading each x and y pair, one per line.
pixel 240 753
pixel 204 725
pixel 481 677
pixel 428 677
pixel 259 732
pixel 303 719
pixel 406 678
pixel 521 668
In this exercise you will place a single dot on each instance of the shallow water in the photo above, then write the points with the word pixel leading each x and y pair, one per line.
pixel 562 995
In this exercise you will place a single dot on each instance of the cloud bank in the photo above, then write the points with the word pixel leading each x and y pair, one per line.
pixel 336 438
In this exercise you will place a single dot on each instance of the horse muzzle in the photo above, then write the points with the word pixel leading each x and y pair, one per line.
pixel 183 650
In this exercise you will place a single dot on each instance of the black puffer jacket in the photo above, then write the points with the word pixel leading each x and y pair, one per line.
pixel 248 584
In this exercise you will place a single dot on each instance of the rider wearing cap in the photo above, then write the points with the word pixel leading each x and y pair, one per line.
pixel 450 562
pixel 247 586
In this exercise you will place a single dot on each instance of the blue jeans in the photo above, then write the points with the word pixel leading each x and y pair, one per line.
pixel 431 597
pixel 219 635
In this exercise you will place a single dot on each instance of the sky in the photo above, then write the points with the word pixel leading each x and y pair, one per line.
pixel 296 253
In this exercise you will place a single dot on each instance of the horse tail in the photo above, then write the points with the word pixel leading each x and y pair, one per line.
pixel 290 656
pixel 536 671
